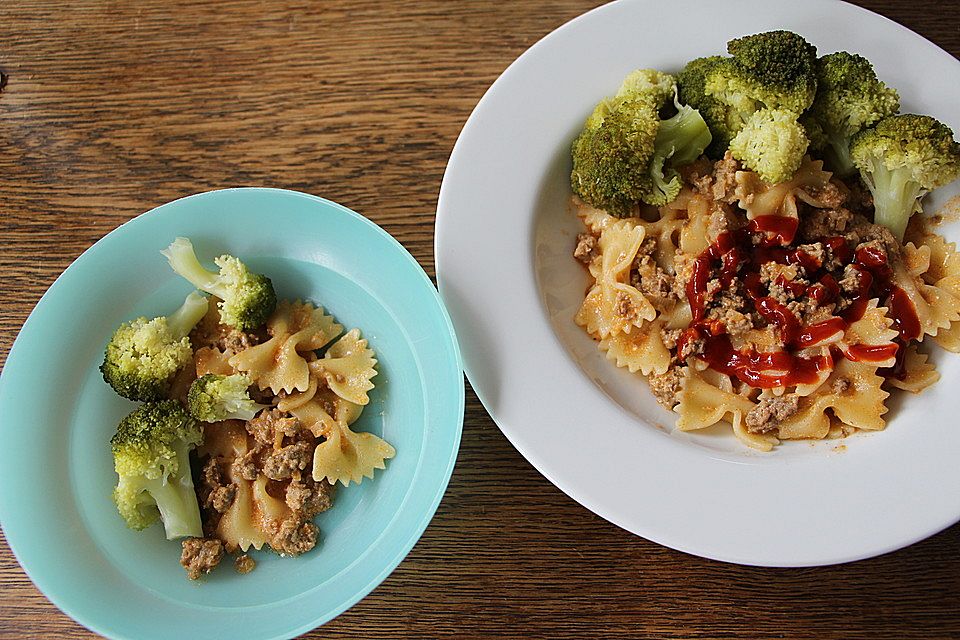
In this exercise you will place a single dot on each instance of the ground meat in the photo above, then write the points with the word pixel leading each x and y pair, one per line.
pixel 244 564
pixel 281 464
pixel 666 387
pixel 624 307
pixel 683 265
pixel 699 174
pixel 669 337
pixel 721 219
pixel 736 322
pixel 815 250
pixel 651 280
pixel 770 272
pixel 813 313
pixel 586 249
pixel 209 332
pixel 832 195
pixel 270 426
pixel 864 233
pixel 824 223
pixel 860 198
pixel 691 348
pixel 200 556
pixel 840 385
pixel 295 536
pixel 216 492
pixel 308 496
pixel 770 412
pixel 245 466
pixel 850 282
pixel 725 178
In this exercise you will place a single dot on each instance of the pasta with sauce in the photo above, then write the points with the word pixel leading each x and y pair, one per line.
pixel 779 308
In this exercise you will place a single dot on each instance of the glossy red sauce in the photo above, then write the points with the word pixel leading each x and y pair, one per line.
pixel 872 353
pixel 766 239
pixel 780 229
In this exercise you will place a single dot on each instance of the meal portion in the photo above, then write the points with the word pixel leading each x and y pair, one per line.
pixel 245 426
pixel 751 237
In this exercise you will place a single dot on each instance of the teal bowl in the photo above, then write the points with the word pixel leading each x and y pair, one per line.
pixel 56 470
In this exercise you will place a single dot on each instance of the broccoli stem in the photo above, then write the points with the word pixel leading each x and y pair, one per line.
pixel 840 159
pixel 184 262
pixel 177 500
pixel 895 197
pixel 682 138
pixel 184 319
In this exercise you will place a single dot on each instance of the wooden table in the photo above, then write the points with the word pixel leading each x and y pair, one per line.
pixel 112 108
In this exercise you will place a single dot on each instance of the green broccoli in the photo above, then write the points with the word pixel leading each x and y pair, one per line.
pixel 849 98
pixel 216 397
pixel 151 452
pixel 143 355
pixel 691 91
pixel 626 153
pixel 772 143
pixel 901 159
pixel 773 70
pixel 648 84
pixel 247 298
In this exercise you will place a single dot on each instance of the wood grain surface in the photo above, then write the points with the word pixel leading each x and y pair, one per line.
pixel 113 107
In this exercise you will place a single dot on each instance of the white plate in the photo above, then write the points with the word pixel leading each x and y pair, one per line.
pixel 503 246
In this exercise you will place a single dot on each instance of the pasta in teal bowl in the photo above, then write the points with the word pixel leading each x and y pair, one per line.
pixel 56 468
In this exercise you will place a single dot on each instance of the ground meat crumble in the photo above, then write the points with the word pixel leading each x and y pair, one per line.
pixel 244 564
pixel 770 412
pixel 280 451
pixel 586 249
pixel 200 556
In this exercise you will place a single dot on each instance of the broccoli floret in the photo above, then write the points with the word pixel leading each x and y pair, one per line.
pixel 900 160
pixel 626 153
pixel 151 457
pixel 215 397
pixel 773 70
pixel 690 91
pixel 247 298
pixel 849 98
pixel 649 85
pixel 143 355
pixel 772 143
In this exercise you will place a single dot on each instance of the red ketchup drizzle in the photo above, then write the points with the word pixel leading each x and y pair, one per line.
pixel 741 253
pixel 872 353
pixel 780 229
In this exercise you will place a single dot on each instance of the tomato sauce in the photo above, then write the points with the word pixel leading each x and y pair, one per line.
pixel 766 239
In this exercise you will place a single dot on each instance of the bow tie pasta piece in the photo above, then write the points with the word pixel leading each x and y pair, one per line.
pixel 347 368
pixel 224 442
pixel 640 350
pixel 320 413
pixel 596 220
pixel 936 308
pixel 349 456
pixel 873 329
pixel 853 392
pixel 703 405
pixel 759 198
pixel 613 305
pixel 277 364
pixel 943 273
pixel 918 372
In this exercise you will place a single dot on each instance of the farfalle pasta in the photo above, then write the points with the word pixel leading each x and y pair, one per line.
pixel 779 309
pixel 263 480
pixel 295 328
